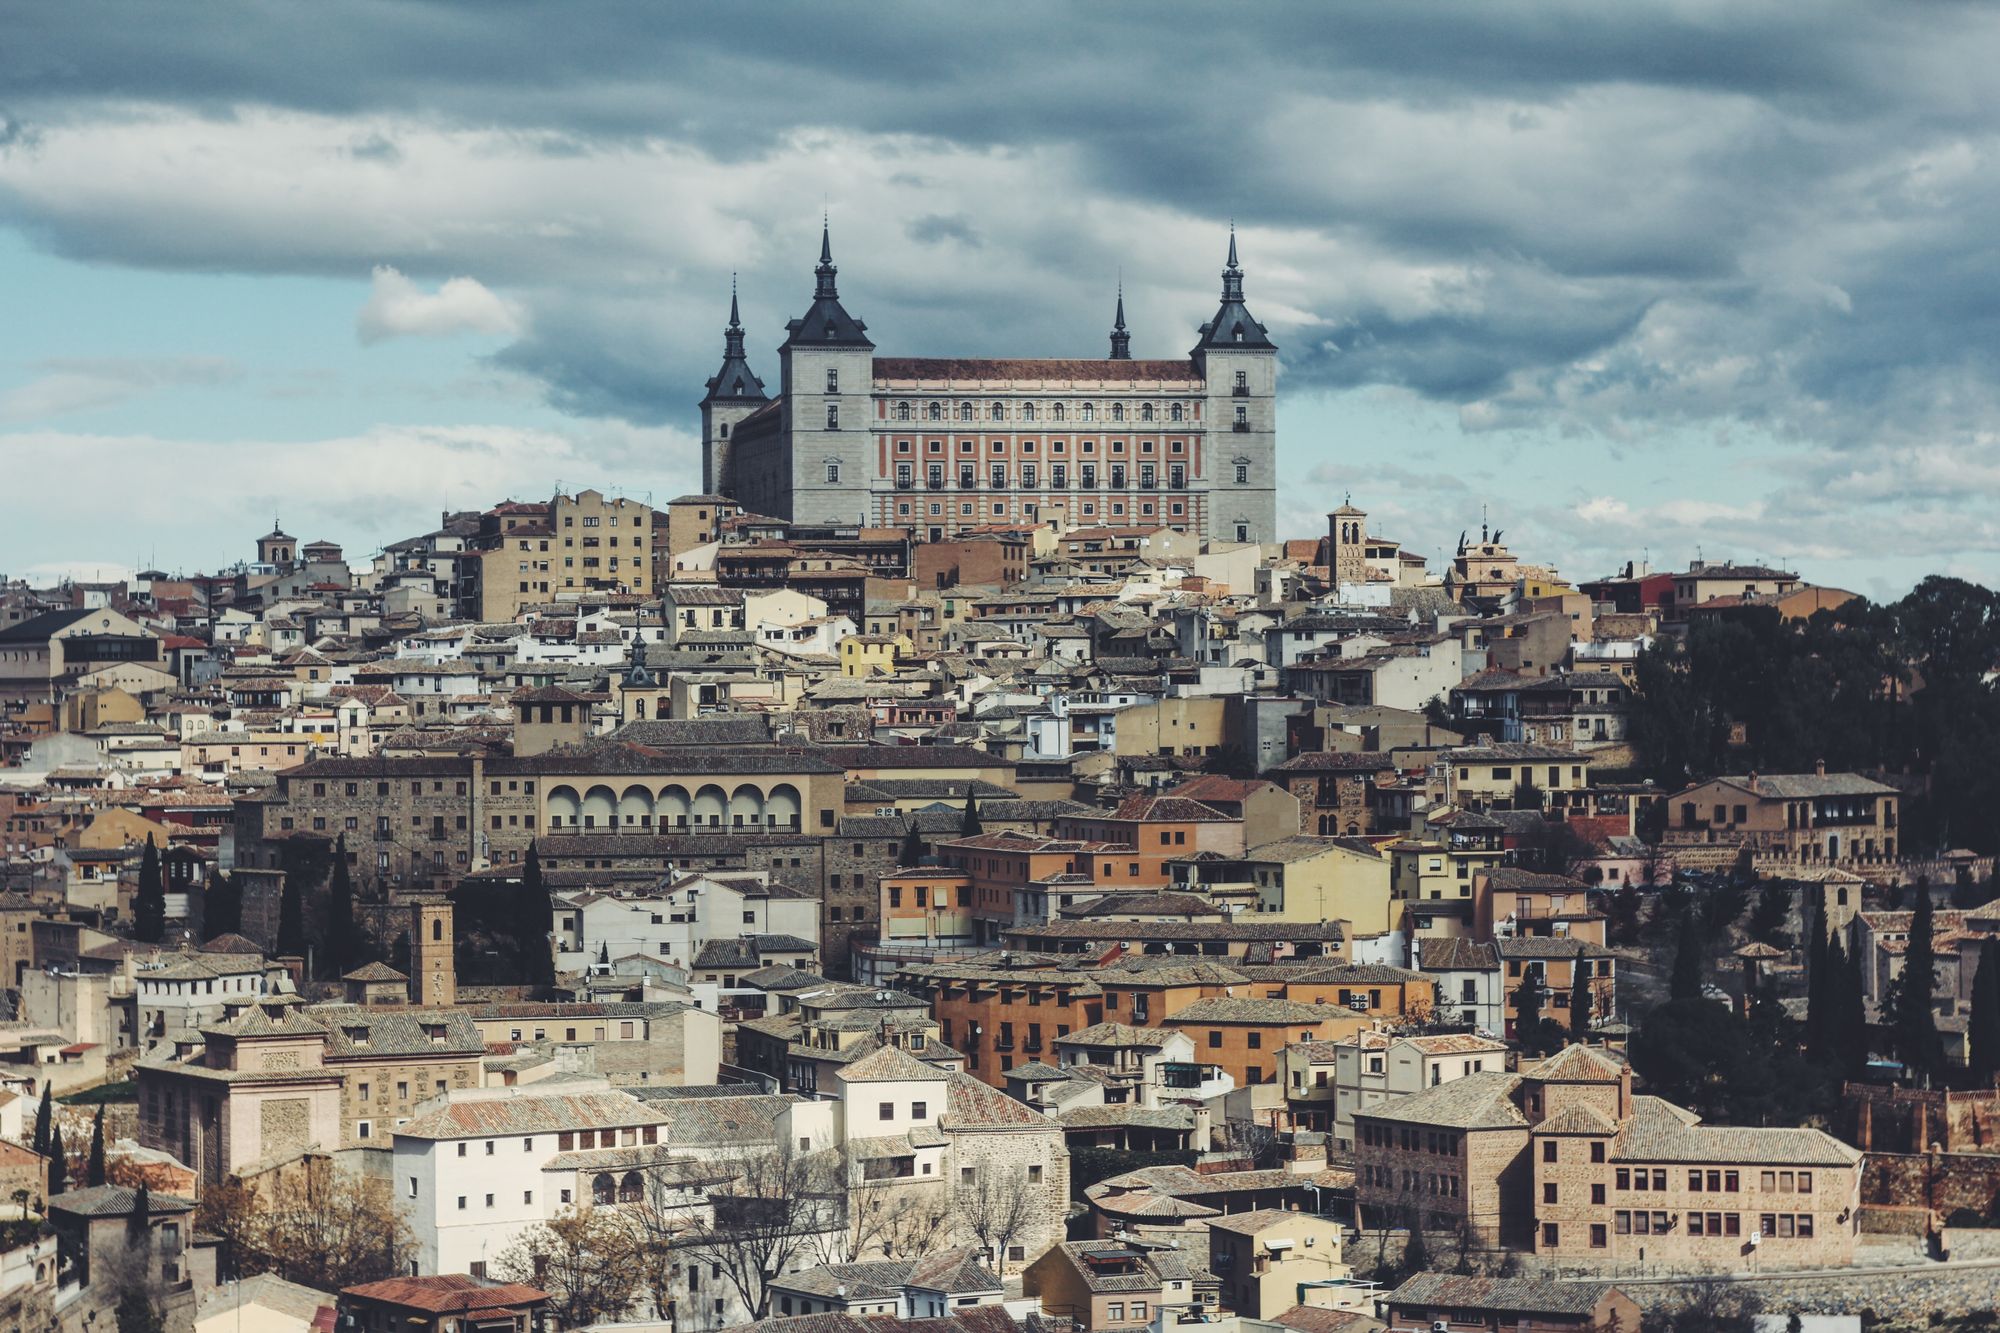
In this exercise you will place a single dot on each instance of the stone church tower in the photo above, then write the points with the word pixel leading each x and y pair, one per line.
pixel 1347 548
pixel 433 971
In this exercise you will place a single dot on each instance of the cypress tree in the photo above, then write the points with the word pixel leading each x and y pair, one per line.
pixel 42 1116
pixel 1528 1010
pixel 58 1164
pixel 1685 983
pixel 532 920
pixel 1852 1020
pixel 291 919
pixel 149 904
pixel 913 846
pixel 971 827
pixel 1983 1032
pixel 222 907
pixel 1582 1002
pixel 342 938
pixel 142 1215
pixel 94 1168
pixel 1816 994
pixel 1914 1020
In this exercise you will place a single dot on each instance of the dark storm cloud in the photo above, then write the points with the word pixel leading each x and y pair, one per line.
pixel 1570 212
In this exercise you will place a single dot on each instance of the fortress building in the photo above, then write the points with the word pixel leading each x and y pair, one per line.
pixel 937 445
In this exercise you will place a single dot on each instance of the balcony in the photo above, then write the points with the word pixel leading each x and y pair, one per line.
pixel 1177 484
pixel 1240 427
pixel 905 484
pixel 968 483
pixel 1240 391
pixel 934 484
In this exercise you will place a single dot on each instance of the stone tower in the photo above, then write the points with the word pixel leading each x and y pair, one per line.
pixel 433 972
pixel 1239 364
pixel 827 372
pixel 1347 551
pixel 734 392
pixel 277 547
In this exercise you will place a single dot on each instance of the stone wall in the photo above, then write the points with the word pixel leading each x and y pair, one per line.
pixel 1935 1182
pixel 1914 1120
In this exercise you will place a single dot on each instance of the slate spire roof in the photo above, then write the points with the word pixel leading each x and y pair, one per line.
pixel 1121 340
pixel 1233 325
pixel 826 323
pixel 735 382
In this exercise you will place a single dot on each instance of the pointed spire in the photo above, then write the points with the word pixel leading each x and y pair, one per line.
pixel 1121 341
pixel 1232 243
pixel 1232 275
pixel 825 290
pixel 1233 325
pixel 735 320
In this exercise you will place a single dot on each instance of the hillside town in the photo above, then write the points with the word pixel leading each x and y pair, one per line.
pixel 1045 923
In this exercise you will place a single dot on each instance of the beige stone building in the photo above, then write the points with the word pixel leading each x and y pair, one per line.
pixel 1265 1258
pixel 1562 1159
pixel 603 545
pixel 1816 819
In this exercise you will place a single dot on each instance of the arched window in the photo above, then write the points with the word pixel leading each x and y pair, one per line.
pixel 639 708
pixel 1027 411
pixel 628 1188
pixel 1175 412
pixel 935 412
pixel 1146 412
pixel 601 1188
pixel 437 928
pixel 1118 411
pixel 902 411
pixel 965 411
pixel 1056 412
pixel 998 411
pixel 1090 411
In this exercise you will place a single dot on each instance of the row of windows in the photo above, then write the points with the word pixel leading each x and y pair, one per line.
pixel 997 411
pixel 1241 418
pixel 1030 474
pixel 1115 508
pixel 1055 447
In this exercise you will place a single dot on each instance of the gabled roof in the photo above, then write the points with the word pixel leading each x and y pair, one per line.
pixel 1507 1296
pixel 889 1064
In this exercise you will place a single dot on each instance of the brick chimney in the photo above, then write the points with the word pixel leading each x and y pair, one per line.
pixel 1624 1093
pixel 1819 767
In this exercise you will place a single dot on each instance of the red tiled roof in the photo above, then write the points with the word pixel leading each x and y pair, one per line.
pixel 446 1292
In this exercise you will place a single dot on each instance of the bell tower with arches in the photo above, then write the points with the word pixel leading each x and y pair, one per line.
pixel 433 970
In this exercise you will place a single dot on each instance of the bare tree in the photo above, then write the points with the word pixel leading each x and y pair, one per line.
pixel 996 1207
pixel 895 1221
pixel 323 1227
pixel 582 1257
pixel 780 1206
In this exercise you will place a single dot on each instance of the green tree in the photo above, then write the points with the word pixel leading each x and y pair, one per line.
pixel 136 1313
pixel 93 1172
pixel 1773 912
pixel 343 934
pixel 222 906
pixel 43 1114
pixel 1983 1024
pixel 913 851
pixel 1417 1252
pixel 291 918
pixel 58 1163
pixel 1528 1008
pixel 141 1221
pixel 1912 1006
pixel 1582 1000
pixel 1685 983
pixel 533 919
pixel 149 904
pixel 971 827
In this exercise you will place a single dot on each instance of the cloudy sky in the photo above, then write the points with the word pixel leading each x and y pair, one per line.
pixel 1637 279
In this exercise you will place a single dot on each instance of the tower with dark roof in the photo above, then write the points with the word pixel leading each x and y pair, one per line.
pixel 734 392
pixel 1239 369
pixel 1121 340
pixel 826 368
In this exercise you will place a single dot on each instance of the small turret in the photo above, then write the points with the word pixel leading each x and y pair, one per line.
pixel 1121 341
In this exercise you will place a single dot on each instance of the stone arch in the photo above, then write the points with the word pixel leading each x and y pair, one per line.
pixel 564 807
pixel 710 804
pixel 635 809
pixel 602 1190
pixel 672 807
pixel 600 808
pixel 782 807
pixel 746 807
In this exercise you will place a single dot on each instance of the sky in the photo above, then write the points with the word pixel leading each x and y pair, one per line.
pixel 1649 281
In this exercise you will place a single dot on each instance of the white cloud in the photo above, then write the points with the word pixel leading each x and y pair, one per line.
pixel 1604 509
pixel 398 308
pixel 79 384
pixel 201 503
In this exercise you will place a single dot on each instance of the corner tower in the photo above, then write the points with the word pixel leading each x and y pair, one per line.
pixel 827 372
pixel 1239 364
pixel 734 392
